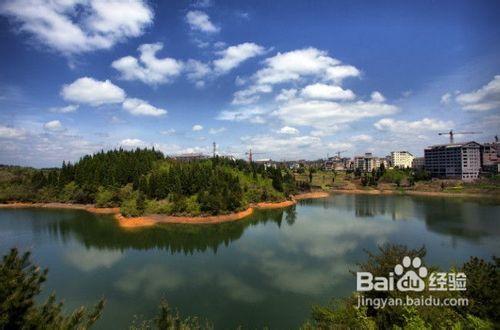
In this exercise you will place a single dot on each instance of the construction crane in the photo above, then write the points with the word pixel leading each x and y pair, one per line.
pixel 340 152
pixel 250 155
pixel 452 134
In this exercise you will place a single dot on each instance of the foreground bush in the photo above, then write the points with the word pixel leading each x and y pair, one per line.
pixel 20 283
pixel 482 291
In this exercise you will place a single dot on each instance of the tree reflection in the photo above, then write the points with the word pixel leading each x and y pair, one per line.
pixel 102 232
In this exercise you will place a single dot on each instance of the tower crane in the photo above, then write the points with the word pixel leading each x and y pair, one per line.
pixel 452 134
pixel 340 152
pixel 250 155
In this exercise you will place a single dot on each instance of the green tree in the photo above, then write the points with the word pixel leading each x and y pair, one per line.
pixel 20 283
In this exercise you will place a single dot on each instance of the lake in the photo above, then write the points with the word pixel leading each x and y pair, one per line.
pixel 266 270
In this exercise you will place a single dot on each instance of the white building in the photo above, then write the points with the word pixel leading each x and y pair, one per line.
pixel 402 159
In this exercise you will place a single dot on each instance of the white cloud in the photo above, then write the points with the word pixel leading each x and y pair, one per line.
pixel 288 130
pixel 196 71
pixel 253 115
pixel 73 26
pixel 291 66
pixel 54 126
pixel 94 92
pixel 484 99
pixel 197 128
pixel 321 114
pixel 66 109
pixel 339 146
pixel 296 66
pixel 217 130
pixel 7 132
pixel 273 144
pixel 361 138
pixel 327 92
pixel 233 56
pixel 286 95
pixel 133 143
pixel 446 98
pixel 251 94
pixel 412 127
pixel 338 73
pixel 138 107
pixel 148 68
pixel 199 21
pixel 377 97
pixel 168 132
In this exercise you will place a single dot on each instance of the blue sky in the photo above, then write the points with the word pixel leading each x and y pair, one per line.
pixel 289 79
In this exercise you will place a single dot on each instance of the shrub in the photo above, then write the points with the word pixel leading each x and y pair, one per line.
pixel 129 208
pixel 158 207
pixel 105 198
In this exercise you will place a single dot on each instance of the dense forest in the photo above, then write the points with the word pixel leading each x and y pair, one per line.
pixel 144 181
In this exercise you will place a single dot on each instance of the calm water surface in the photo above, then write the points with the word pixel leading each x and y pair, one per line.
pixel 265 270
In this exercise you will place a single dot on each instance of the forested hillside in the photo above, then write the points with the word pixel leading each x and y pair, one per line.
pixel 144 181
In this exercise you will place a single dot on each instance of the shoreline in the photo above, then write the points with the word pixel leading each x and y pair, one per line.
pixel 412 193
pixel 153 219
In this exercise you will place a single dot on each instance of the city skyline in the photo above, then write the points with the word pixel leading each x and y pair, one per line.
pixel 81 76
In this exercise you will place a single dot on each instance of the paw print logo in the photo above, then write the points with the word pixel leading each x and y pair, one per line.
pixel 411 274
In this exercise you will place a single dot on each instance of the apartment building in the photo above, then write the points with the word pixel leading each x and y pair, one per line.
pixel 454 161
pixel 401 159
pixel 367 162
pixel 418 163
pixel 490 157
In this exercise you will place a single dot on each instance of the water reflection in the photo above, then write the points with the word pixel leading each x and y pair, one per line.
pixel 266 270
pixel 103 233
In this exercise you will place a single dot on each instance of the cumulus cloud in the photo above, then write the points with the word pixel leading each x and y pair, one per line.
pixel 412 127
pixel 288 130
pixel 93 92
pixel 321 114
pixel 54 126
pixel 133 143
pixel 296 66
pixel 200 21
pixel 286 95
pixel 327 92
pixel 377 97
pixel 251 94
pixel 148 68
pixel 197 71
pixel 233 56
pixel 293 65
pixel 197 128
pixel 7 132
pixel 361 138
pixel 79 26
pixel 138 107
pixel 484 99
pixel 446 98
pixel 66 109
pixel 217 130
pixel 253 115
pixel 273 144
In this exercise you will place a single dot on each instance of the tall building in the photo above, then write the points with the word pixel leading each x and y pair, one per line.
pixel 402 159
pixel 367 162
pixel 490 153
pixel 454 161
pixel 418 163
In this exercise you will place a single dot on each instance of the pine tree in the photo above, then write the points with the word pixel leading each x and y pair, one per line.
pixel 20 283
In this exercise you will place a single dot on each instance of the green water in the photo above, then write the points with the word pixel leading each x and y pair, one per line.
pixel 266 270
